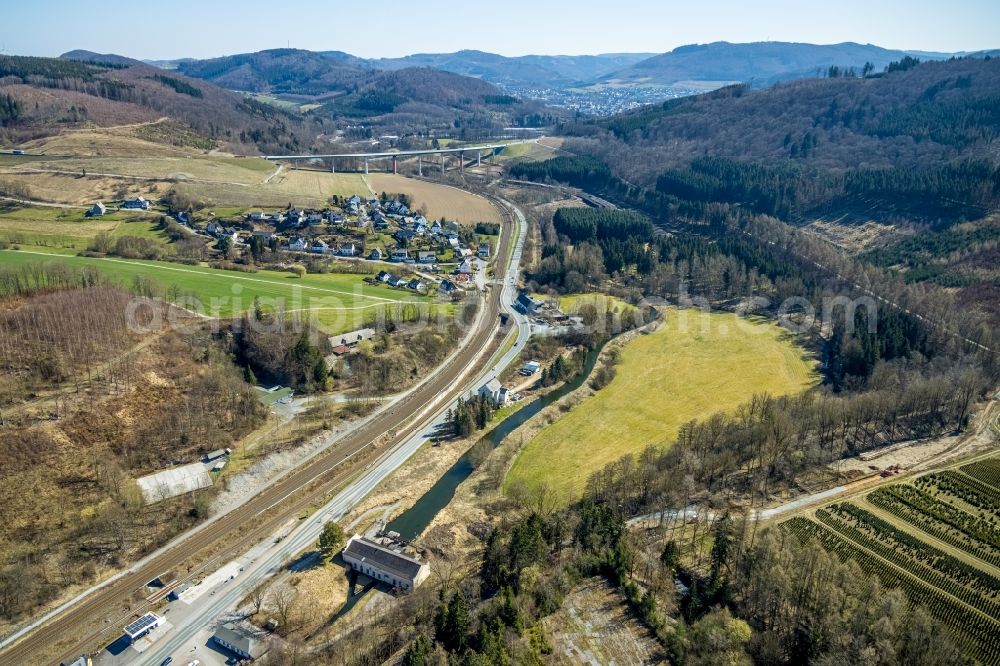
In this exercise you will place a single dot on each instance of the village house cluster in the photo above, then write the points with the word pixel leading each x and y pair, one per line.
pixel 438 254
pixel 372 228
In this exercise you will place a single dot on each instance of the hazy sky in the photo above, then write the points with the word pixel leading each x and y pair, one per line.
pixel 373 28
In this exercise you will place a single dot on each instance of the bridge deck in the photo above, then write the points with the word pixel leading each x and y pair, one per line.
pixel 401 153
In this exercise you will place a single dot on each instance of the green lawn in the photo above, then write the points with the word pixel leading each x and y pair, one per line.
pixel 337 301
pixel 694 365
pixel 68 230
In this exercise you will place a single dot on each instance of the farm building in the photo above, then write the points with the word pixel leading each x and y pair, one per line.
pixel 383 564
pixel 353 337
pixel 137 203
pixel 527 304
pixel 97 209
pixel 238 643
pixel 174 481
pixel 530 368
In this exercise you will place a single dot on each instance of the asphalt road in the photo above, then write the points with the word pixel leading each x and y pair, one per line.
pixel 96 618
pixel 267 558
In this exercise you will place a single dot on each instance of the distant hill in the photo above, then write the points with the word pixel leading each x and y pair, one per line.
pixel 278 71
pixel 543 71
pixel 401 100
pixel 85 89
pixel 764 63
pixel 296 71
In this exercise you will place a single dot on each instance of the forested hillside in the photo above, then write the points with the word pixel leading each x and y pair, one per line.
pixel 919 115
pixel 277 71
pixel 41 96
pixel 404 100
pixel 912 149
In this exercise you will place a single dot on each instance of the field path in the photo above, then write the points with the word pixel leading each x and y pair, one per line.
pixel 276 172
pixel 28 202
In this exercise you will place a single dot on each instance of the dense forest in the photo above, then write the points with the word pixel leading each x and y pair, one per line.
pixel 108 90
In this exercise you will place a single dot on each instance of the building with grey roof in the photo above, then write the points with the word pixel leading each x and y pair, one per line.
pixel 384 564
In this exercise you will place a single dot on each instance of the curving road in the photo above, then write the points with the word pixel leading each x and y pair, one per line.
pixel 98 616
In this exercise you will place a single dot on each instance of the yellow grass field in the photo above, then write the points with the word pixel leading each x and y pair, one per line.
pixel 575 303
pixel 67 189
pixel 122 140
pixel 223 169
pixel 694 365
pixel 437 200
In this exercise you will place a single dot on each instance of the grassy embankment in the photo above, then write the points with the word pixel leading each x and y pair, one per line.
pixel 696 364
pixel 336 301
pixel 68 230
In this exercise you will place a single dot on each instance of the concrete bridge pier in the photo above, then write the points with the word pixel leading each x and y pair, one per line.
pixel 333 165
pixel 461 161
pixel 442 162
pixel 295 164
pixel 479 158
pixel 420 165
pixel 366 165
pixel 394 166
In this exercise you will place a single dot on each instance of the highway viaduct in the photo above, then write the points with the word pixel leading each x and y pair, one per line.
pixel 488 151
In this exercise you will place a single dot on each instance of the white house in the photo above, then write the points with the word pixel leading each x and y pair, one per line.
pixel 320 247
pixel 383 564
pixel 427 257
pixel 399 255
pixel 484 250
pixel 97 209
pixel 495 391
pixel 298 245
pixel 346 250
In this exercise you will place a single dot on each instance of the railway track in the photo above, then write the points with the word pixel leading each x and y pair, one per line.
pixel 98 617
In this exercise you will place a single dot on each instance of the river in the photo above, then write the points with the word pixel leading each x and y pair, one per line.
pixel 412 522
